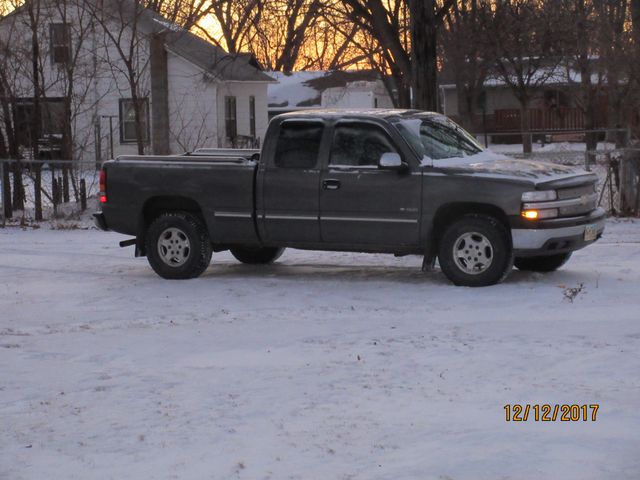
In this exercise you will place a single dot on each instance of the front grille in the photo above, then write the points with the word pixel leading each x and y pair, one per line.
pixel 587 195
pixel 576 192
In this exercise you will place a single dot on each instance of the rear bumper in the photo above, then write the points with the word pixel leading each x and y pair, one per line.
pixel 557 236
pixel 99 221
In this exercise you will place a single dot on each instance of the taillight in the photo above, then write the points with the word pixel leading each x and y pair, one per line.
pixel 103 186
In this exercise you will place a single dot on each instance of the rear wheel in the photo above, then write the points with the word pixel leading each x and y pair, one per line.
pixel 257 255
pixel 475 251
pixel 545 263
pixel 178 246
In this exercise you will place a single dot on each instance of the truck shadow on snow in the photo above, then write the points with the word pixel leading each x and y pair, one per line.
pixel 319 272
pixel 324 272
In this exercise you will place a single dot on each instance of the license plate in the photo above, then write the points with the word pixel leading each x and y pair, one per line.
pixel 590 232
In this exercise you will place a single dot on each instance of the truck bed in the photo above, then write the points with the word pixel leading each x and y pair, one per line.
pixel 221 186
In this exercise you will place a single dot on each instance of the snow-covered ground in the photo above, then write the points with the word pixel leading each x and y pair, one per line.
pixel 323 366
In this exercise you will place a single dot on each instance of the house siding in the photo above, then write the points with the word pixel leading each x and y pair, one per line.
pixel 242 91
pixel 192 106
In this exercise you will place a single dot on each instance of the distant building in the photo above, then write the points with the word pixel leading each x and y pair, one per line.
pixel 327 89
pixel 555 105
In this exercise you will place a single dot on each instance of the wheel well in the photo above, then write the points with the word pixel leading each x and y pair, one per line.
pixel 156 206
pixel 453 211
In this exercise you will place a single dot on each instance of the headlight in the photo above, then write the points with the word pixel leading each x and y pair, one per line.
pixel 539 196
pixel 533 214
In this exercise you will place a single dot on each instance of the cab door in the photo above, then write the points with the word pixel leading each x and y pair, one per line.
pixel 362 204
pixel 290 184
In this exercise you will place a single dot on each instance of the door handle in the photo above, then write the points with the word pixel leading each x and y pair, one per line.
pixel 331 184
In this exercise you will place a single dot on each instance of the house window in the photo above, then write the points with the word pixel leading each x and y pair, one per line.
pixel 230 121
pixel 128 120
pixel 52 120
pixel 252 116
pixel 60 42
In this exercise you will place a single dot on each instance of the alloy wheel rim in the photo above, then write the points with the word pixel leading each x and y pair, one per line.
pixel 174 247
pixel 472 253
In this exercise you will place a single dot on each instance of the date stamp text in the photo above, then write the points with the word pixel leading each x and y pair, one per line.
pixel 551 413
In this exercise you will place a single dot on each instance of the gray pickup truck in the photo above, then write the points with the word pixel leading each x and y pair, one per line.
pixel 384 181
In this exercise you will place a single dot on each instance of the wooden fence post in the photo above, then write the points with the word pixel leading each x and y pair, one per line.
pixel 83 194
pixel 630 182
pixel 2 186
pixel 65 184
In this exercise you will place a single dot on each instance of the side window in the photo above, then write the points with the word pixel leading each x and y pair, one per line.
pixel 230 121
pixel 359 144
pixel 298 144
pixel 59 42
pixel 128 120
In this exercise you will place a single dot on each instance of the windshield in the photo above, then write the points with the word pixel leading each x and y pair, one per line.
pixel 435 137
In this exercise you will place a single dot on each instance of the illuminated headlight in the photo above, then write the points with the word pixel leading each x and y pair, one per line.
pixel 539 196
pixel 533 214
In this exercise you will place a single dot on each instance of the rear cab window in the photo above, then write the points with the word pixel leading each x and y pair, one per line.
pixel 299 144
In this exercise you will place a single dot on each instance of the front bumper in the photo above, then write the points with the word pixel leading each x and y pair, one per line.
pixel 99 221
pixel 556 236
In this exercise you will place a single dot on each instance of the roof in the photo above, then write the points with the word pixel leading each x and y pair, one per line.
pixel 204 54
pixel 304 89
pixel 559 74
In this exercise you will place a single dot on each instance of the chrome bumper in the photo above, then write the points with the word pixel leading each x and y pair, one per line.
pixel 532 239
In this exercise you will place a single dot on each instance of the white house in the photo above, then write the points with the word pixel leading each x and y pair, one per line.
pixel 94 55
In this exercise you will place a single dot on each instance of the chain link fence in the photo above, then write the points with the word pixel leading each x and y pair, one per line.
pixel 35 190
pixel 617 165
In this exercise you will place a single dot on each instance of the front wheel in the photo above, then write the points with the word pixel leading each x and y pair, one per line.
pixel 256 255
pixel 545 263
pixel 178 246
pixel 475 251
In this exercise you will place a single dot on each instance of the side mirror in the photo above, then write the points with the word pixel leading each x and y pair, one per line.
pixel 391 161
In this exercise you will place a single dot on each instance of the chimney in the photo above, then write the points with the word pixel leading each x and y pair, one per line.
pixel 159 95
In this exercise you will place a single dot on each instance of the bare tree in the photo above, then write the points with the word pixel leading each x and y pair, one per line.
pixel 185 13
pixel 236 21
pixel 524 36
pixel 387 24
pixel 9 146
pixel 616 48
pixel 466 55
pixel 582 48
pixel 120 23
pixel 281 34
pixel 426 20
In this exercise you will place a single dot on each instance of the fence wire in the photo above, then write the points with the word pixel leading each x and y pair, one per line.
pixel 65 187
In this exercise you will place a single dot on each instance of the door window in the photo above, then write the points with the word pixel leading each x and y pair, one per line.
pixel 359 144
pixel 298 144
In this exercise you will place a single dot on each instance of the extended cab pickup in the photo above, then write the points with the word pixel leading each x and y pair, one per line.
pixel 386 181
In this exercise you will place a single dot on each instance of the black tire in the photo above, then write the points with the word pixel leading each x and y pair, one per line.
pixel 485 235
pixel 545 263
pixel 191 243
pixel 257 255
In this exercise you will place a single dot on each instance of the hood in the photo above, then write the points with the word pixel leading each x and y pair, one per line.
pixel 489 164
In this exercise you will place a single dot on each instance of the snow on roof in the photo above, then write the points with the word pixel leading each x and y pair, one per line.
pixel 557 75
pixel 304 89
pixel 291 89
